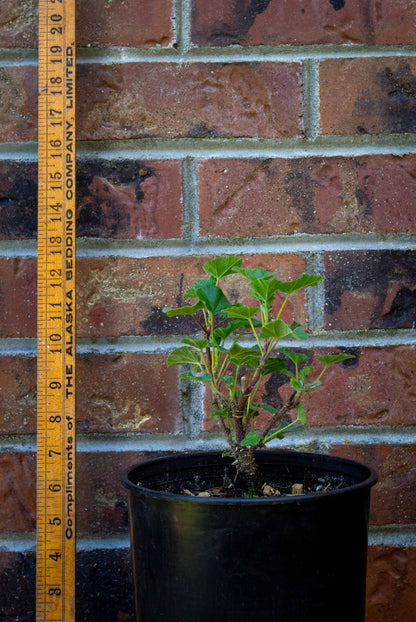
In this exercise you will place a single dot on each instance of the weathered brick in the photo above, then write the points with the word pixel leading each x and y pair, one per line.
pixel 127 393
pixel 115 393
pixel 117 199
pixel 17 492
pixel 368 95
pixel 370 289
pixel 101 500
pixel 375 388
pixel 272 22
pixel 18 297
pixel 137 23
pixel 18 103
pixel 197 100
pixel 393 499
pixel 391 584
pixel 17 394
pixel 125 296
pixel 311 195
pixel 18 23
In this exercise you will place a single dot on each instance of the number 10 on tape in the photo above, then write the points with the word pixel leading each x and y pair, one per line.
pixel 55 558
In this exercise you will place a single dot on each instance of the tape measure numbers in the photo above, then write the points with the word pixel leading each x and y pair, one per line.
pixel 55 580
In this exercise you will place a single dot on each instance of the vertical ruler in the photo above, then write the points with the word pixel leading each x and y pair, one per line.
pixel 55 562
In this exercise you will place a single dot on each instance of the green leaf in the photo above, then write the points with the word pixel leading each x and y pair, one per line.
pixel 301 414
pixel 223 332
pixel 295 357
pixel 221 266
pixel 305 280
pixel 277 329
pixel 252 438
pixel 270 409
pixel 327 359
pixel 183 356
pixel 300 334
pixel 199 344
pixel 241 311
pixel 274 366
pixel 187 310
pixel 213 298
pixel 244 356
pixel 187 375
pixel 191 292
pixel 256 273
pixel 296 384
pixel 264 289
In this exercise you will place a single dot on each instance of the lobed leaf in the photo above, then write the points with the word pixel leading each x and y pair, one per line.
pixel 241 312
pixel 222 266
pixel 305 280
pixel 183 356
pixel 212 297
pixel 277 329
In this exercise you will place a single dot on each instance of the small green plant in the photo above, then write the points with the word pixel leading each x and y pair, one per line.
pixel 238 348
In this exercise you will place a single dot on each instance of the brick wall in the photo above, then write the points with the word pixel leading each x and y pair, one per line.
pixel 280 129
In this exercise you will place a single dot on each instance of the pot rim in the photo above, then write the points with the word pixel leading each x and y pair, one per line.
pixel 368 479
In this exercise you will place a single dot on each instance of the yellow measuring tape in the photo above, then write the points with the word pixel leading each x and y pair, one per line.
pixel 55 562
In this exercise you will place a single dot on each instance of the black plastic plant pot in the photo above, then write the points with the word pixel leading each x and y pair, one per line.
pixel 295 558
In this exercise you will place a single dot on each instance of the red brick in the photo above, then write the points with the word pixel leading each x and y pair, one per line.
pixel 17 394
pixel 393 498
pixel 370 289
pixel 124 296
pixel 391 584
pixel 137 23
pixel 115 393
pixel 17 492
pixel 311 195
pixel 143 100
pixel 127 393
pixel 18 103
pixel 226 22
pixel 368 95
pixel 353 393
pixel 18 23
pixel 101 500
pixel 18 297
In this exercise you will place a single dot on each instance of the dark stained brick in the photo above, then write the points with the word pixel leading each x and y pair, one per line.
pixel 370 289
pixel 118 199
pixel 272 22
pixel 129 199
pixel 368 95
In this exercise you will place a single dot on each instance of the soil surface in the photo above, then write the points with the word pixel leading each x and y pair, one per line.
pixel 310 485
